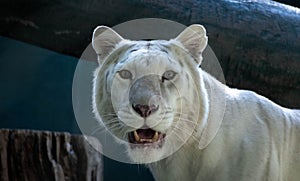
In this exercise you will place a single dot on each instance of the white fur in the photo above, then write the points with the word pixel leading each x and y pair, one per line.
pixel 254 139
pixel 257 140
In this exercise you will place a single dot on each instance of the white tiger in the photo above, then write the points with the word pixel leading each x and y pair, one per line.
pixel 154 97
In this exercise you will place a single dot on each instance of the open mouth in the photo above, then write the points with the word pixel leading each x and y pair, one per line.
pixel 145 137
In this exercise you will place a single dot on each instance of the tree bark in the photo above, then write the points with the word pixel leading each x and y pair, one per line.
pixel 42 155
pixel 257 42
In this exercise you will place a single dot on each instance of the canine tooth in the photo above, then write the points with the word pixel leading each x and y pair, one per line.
pixel 155 137
pixel 136 136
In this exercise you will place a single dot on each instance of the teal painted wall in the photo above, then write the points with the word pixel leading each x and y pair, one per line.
pixel 36 93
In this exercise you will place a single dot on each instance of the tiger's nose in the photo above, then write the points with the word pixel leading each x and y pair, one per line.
pixel 145 110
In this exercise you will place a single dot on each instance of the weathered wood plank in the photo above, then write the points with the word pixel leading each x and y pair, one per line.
pixel 28 155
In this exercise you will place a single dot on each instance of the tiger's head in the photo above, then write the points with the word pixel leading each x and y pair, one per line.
pixel 150 94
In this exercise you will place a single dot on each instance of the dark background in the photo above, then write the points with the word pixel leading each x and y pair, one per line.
pixel 41 41
pixel 36 93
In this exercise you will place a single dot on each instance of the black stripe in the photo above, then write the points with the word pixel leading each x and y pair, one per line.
pixel 106 77
pixel 124 60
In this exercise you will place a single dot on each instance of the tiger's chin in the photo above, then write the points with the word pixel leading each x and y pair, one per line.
pixel 144 155
pixel 146 145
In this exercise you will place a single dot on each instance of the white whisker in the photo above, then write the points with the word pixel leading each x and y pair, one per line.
pixel 186 120
pixel 186 132
pixel 98 129
pixel 179 136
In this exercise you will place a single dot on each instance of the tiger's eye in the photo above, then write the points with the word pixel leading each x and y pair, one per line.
pixel 168 75
pixel 125 74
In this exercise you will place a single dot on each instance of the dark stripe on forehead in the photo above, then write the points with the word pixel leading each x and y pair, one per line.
pixel 106 78
pixel 124 60
pixel 133 50
pixel 187 76
pixel 171 61
pixel 163 50
pixel 148 45
pixel 195 95
pixel 114 57
pixel 148 61
pixel 106 75
pixel 181 64
pixel 188 79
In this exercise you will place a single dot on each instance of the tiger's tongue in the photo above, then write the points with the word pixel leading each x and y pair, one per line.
pixel 145 133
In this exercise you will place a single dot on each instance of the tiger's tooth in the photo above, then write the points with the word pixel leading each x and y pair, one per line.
pixel 146 140
pixel 136 136
pixel 155 137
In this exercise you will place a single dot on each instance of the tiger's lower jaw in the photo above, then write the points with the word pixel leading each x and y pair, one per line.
pixel 144 155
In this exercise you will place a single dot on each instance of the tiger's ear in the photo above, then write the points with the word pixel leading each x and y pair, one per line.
pixel 104 41
pixel 194 39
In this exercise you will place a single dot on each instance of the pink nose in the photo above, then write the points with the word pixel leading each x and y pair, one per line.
pixel 145 110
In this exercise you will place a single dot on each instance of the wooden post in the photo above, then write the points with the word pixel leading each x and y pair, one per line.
pixel 27 155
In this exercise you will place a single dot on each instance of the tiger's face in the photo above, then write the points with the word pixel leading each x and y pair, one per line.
pixel 147 93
